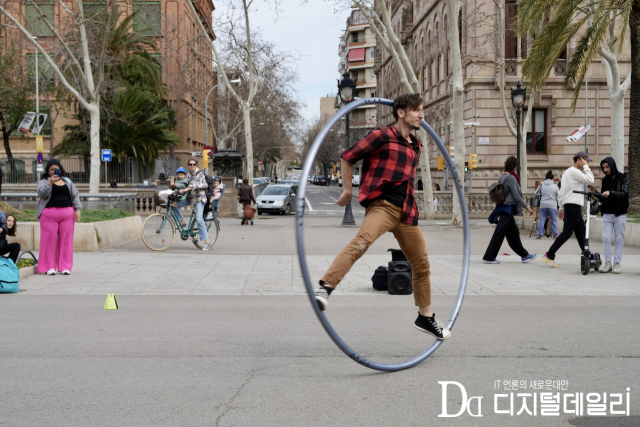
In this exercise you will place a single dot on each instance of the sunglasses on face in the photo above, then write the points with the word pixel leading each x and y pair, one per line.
pixel 192 164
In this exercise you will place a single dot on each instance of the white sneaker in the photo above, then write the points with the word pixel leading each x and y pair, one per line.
pixel 206 246
pixel 209 216
pixel 606 268
pixel 66 273
pixel 51 272
pixel 616 268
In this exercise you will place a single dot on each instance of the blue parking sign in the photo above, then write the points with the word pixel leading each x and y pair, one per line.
pixel 106 155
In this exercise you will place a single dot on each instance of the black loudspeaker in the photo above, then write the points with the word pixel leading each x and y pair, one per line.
pixel 400 282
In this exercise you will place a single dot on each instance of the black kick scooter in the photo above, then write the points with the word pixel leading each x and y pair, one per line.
pixel 589 260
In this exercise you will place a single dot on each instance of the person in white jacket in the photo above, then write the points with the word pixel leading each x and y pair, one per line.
pixel 570 205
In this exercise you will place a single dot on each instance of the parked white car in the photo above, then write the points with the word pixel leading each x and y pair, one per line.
pixel 355 180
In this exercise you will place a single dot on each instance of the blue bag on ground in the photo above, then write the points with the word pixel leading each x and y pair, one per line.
pixel 9 276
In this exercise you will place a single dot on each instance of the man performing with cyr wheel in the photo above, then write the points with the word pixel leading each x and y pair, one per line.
pixel 390 156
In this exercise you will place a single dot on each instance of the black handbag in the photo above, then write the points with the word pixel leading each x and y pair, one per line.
pixel 595 207
pixel 535 203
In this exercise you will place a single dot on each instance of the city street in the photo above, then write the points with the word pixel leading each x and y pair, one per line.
pixel 321 201
pixel 228 338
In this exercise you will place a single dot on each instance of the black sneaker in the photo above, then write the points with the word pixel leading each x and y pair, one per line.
pixel 322 296
pixel 432 326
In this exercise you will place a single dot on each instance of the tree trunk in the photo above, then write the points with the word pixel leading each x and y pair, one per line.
pixel 246 114
pixel 634 113
pixel 94 114
pixel 453 6
pixel 5 136
pixel 427 186
pixel 617 128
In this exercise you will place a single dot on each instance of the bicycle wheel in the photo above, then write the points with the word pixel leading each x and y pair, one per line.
pixel 158 232
pixel 212 232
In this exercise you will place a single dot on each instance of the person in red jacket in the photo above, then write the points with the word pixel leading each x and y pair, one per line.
pixel 390 156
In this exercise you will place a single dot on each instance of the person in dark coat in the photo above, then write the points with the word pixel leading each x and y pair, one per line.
pixel 245 193
pixel 614 204
pixel 503 216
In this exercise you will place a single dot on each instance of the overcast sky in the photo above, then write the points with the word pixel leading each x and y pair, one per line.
pixel 312 30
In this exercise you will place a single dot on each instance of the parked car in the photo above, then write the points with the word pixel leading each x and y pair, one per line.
pixel 355 181
pixel 289 182
pixel 339 180
pixel 321 180
pixel 277 198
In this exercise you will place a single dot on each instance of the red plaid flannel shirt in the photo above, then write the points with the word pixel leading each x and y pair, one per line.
pixel 388 161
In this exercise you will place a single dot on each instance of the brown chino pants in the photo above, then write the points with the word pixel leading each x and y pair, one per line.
pixel 381 217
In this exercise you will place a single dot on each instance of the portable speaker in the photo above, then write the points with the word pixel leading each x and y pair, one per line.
pixel 400 282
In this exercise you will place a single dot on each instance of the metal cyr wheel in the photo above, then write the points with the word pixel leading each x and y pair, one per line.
pixel 300 202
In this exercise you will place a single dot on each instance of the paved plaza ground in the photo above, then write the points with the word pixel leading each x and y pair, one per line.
pixel 228 338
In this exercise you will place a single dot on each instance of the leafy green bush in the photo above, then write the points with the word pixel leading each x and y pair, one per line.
pixel 22 263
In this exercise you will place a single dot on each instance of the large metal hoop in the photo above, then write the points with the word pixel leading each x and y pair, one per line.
pixel 300 203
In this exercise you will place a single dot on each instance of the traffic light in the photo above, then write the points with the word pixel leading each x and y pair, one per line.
pixel 335 168
pixel 440 163
pixel 466 166
pixel 473 161
pixel 451 152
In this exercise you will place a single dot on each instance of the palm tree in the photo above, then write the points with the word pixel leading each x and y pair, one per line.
pixel 142 126
pixel 555 23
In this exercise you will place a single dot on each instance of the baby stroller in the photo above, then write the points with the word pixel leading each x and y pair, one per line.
pixel 248 213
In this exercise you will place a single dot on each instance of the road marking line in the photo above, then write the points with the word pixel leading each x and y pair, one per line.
pixel 308 204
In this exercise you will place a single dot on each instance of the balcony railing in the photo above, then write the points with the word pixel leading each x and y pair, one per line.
pixel 479 203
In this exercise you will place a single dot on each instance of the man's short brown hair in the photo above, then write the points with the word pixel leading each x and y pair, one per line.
pixel 406 102
pixel 245 180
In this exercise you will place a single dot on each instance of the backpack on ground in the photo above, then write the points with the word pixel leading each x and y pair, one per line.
pixel 496 193
pixel 9 276
pixel 380 279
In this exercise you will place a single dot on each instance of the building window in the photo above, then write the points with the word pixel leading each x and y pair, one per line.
pixel 45 70
pixel 537 139
pixel 373 93
pixel 35 23
pixel 372 53
pixel 148 18
pixel 510 39
pixel 373 113
pixel 372 74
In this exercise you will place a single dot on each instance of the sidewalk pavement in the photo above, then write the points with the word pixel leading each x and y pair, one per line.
pixel 262 260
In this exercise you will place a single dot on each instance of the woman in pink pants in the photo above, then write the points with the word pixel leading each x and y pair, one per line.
pixel 58 207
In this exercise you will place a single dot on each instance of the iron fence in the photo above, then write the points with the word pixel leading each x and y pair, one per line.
pixel 24 170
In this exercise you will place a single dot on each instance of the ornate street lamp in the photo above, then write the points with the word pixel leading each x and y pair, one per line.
pixel 346 92
pixel 518 96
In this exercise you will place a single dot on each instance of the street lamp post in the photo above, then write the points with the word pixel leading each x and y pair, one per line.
pixel 346 89
pixel 206 111
pixel 518 96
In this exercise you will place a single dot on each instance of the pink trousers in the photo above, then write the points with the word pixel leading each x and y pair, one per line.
pixel 56 239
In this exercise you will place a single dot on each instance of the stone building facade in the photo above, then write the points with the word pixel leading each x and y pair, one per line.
pixel 422 27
